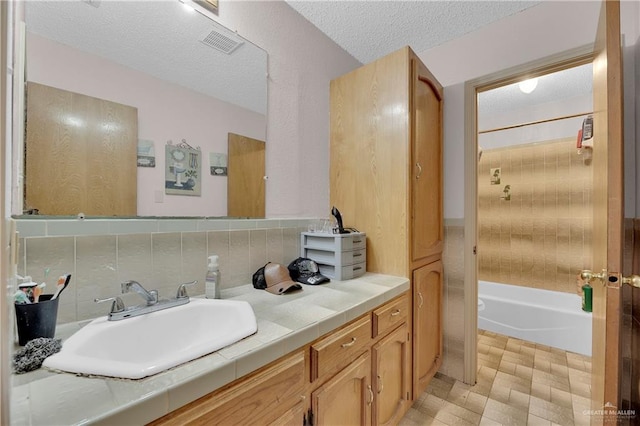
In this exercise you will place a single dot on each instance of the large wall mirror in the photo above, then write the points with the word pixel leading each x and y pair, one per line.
pixel 136 100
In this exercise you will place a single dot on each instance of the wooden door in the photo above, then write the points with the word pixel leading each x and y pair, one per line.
pixel 345 399
pixel 245 177
pixel 426 175
pixel 427 324
pixel 608 206
pixel 81 154
pixel 392 377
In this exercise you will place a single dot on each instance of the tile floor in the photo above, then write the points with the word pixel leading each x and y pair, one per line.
pixel 519 383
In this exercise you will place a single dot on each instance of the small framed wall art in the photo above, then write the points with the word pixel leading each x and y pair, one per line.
pixel 182 170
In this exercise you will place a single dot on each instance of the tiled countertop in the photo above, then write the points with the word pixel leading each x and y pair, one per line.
pixel 285 323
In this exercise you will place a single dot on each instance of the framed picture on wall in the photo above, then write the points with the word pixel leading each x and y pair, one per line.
pixel 218 164
pixel 182 170
pixel 146 153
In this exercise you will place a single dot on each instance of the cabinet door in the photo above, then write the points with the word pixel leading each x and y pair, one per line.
pixel 293 417
pixel 346 399
pixel 392 377
pixel 427 325
pixel 426 177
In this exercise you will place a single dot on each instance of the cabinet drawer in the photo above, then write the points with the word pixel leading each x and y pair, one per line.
pixel 386 317
pixel 340 348
pixel 344 273
pixel 337 258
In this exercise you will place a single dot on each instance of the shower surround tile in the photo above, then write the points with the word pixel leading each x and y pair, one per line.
pixel 541 237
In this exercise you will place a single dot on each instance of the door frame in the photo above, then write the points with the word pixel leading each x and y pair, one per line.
pixel 574 57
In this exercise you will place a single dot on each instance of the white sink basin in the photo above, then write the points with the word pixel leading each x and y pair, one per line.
pixel 148 344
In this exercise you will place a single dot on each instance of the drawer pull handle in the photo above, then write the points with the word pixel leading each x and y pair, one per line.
pixel 419 167
pixel 346 345
pixel 357 241
pixel 370 395
pixel 421 300
pixel 357 268
pixel 395 313
pixel 381 386
pixel 357 255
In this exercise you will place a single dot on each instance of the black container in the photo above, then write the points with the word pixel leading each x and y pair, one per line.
pixel 36 319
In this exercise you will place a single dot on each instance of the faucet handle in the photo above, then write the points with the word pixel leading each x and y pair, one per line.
pixel 116 306
pixel 182 289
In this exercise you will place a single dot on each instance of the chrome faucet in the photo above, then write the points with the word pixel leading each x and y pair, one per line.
pixel 153 303
pixel 150 296
pixel 182 290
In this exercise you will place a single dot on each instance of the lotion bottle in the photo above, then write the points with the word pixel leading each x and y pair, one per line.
pixel 212 282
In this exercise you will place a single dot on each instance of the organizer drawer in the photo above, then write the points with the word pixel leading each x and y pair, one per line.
pixel 334 242
pixel 386 317
pixel 344 273
pixel 337 258
pixel 340 348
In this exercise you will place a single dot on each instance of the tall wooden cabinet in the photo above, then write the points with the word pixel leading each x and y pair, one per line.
pixel 386 180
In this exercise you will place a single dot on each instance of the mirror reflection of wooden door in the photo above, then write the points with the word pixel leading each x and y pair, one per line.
pixel 608 210
pixel 245 177
pixel 80 154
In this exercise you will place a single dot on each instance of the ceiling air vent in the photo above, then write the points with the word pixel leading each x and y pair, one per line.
pixel 94 3
pixel 221 42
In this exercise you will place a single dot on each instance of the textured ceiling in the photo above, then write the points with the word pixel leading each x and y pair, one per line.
pixel 369 30
pixel 562 85
pixel 161 38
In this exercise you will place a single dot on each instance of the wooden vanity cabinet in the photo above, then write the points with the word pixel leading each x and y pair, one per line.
pixel 273 394
pixel 359 374
pixel 386 180
pixel 375 388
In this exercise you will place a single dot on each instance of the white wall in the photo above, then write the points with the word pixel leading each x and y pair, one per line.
pixel 302 62
pixel 540 31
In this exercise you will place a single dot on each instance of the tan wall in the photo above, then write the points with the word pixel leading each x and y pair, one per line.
pixel 541 237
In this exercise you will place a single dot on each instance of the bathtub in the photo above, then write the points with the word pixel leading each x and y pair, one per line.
pixel 548 317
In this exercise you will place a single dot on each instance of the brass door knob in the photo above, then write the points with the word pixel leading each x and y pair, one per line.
pixel 633 280
pixel 589 276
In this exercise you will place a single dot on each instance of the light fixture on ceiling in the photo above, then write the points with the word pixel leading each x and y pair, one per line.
pixel 187 7
pixel 528 86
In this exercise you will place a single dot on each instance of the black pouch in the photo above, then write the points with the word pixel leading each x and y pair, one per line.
pixel 258 278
